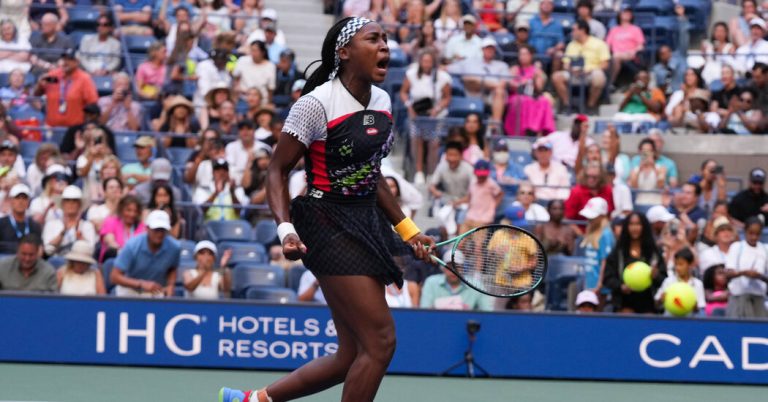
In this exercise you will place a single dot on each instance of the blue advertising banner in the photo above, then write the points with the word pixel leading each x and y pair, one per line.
pixel 279 337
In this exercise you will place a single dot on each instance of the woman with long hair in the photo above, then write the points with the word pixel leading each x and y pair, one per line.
pixel 528 111
pixel 121 227
pixel 635 244
pixel 113 188
pixel 341 114
pixel 713 185
pixel 678 107
pixel 648 177
pixel 626 41
pixel 473 131
pixel 597 242
pixel 150 75
pixel 162 199
pixel 717 52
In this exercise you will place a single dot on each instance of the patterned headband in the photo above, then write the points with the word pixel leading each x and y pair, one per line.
pixel 352 26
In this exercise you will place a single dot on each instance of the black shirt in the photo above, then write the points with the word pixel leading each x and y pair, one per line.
pixel 747 204
pixel 723 97
pixel 10 235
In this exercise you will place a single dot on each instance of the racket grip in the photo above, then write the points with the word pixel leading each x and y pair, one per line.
pixel 407 229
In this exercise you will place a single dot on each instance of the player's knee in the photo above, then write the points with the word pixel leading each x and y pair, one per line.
pixel 381 350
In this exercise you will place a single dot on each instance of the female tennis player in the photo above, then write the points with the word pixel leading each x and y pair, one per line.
pixel 342 126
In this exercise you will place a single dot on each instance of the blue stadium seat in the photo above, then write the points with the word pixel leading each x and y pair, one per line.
pixel 641 209
pixel 28 149
pixel 562 271
pixel 522 158
pixel 457 86
pixel 461 107
pixel 219 231
pixel 716 86
pixel 82 18
pixel 77 37
pixel 57 261
pixel 187 249
pixel 126 153
pixel 394 80
pixel 564 6
pixel 138 43
pixel 178 156
pixel 106 270
pixel 137 59
pixel 247 275
pixel 26 113
pixel 265 231
pixel 656 7
pixel 244 253
pixel 270 294
pixel 184 265
pixel 398 58
pixel 281 100
pixel 503 38
pixel 294 276
pixel 103 85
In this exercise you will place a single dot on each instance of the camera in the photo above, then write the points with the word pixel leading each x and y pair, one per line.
pixel 51 80
pixel 98 140
pixel 674 227
pixel 718 169
pixel 473 327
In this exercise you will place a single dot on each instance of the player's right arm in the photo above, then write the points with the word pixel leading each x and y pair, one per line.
pixel 287 153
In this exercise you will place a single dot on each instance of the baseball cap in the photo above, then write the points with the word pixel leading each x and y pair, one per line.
pixel 458 257
pixel 220 163
pixel 269 13
pixel 8 144
pixel 488 41
pixel 19 189
pixel 144 141
pixel 468 18
pixel 271 26
pixel 587 296
pixel 542 143
pixel 721 223
pixel 501 145
pixel 72 192
pixel 757 22
pixel 158 219
pixel 298 85
pixel 68 53
pixel 523 25
pixel 595 207
pixel 757 175
pixel 161 169
pixel 581 118
pixel 516 214
pixel 658 213
pixel 482 168
pixel 205 245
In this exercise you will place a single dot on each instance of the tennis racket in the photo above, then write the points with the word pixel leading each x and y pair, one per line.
pixel 498 260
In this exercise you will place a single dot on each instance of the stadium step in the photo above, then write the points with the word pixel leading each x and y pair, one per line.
pixel 304 25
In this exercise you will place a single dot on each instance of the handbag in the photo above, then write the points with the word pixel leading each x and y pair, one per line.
pixel 422 106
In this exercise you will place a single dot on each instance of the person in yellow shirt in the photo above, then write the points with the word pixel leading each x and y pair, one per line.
pixel 586 57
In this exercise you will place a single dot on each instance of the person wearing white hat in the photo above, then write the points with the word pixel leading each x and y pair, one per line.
pixel 466 45
pixel 446 291
pixel 658 216
pixel 60 234
pixel 80 277
pixel 146 266
pixel 724 235
pixel 205 281
pixel 17 224
pixel 44 207
pixel 587 302
pixel 755 49
pixel 598 241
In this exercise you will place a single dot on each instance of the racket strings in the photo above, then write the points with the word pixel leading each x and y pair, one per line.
pixel 501 260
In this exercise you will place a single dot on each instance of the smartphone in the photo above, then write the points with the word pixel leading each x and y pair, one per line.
pixel 674 226
pixel 718 169
pixel 51 79
pixel 98 140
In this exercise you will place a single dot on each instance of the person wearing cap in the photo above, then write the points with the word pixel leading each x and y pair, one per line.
pixel 160 171
pixel 254 70
pixel 739 26
pixel 99 52
pixel 47 47
pixel 587 302
pixel 60 234
pixel 566 143
pixel 223 193
pixel 80 276
pixel 597 242
pixel 240 154
pixel 485 76
pixel 551 178
pixel 483 197
pixel 659 217
pixel 146 266
pixel 25 270
pixel 586 58
pixel 724 236
pixel 751 201
pixel 446 291
pixel 205 281
pixel 591 183
pixel 268 16
pixel 547 35
pixel 505 171
pixel 466 45
pixel 274 49
pixel 140 171
pixel 10 162
pixel 755 49
pixel 67 90
pixel 119 111
pixel 45 206
pixel 210 73
pixel 17 224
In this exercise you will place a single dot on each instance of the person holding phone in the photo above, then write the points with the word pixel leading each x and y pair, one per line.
pixel 67 90
pixel 120 111
pixel 648 176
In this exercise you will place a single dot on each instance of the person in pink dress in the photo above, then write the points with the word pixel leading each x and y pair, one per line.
pixel 119 228
pixel 626 41
pixel 150 74
pixel 528 112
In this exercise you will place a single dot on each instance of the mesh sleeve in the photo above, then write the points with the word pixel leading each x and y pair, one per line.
pixel 306 121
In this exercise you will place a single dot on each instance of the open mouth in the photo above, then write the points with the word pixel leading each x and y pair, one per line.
pixel 383 63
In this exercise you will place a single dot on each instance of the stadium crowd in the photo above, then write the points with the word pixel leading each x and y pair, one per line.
pixel 134 143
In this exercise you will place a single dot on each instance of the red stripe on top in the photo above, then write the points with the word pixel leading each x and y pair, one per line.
pixel 386 112
pixel 319 178
pixel 335 122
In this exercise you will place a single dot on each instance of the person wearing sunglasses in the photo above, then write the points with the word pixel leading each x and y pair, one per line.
pixel 742 117
pixel 100 52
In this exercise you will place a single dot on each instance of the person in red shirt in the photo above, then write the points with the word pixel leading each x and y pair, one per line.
pixel 592 183
pixel 67 89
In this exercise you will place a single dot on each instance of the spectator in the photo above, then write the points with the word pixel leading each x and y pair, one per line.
pixel 473 134
pixel 587 302
pixel 483 197
pixel 100 52
pixel 742 117
pixel 222 192
pixel 740 26
pixel 150 74
pixel 16 95
pixel 217 18
pixel 669 165
pixel 247 19
pixel 268 16
pixel 450 183
pixel 163 200
pixel 212 72
pixel 446 292
pixel 14 50
pixel 426 92
pixel 254 182
pixel 723 98
pixel 592 183
pixel 139 171
pixel 555 236
pixel 485 77
pixel 586 58
pixel 18 12
pixel 205 281
pixel 510 50
pixel 177 118
pixel 241 153
pixel 684 274
pixel 716 52
pixel 146 266
pixel 678 108
pixel 526 198
pixel 45 155
pixel 449 23
pixel 67 90
pixel 253 101
pixel 45 206
pixel 79 277
pixel 60 234
pixel 584 10
pixel 565 145
pixel 135 16
pixel 10 162
pixel 746 271
pixel 160 172
pixel 713 185
pixel 648 177
pixel 286 74
pixel 551 179
pixel 752 201
pixel 113 191
pixel 17 224
pixel 716 290
pixel 227 120
pixel 407 195
pixel 668 70
pixel 755 49
pixel 26 271
pixel 216 96
pixel 708 231
pixel 198 169
pixel 120 227
pixel 528 112
pixel 263 119
pixel 626 41
pixel 90 165
pixel 622 195
pixel 256 71
pixel 48 46
pixel 505 171
pixel 119 111
pixel 274 49
pixel 759 85
pixel 413 13
pixel 182 61
pixel 491 14
pixel 546 33
pixel 309 289
pixel 466 46
pixel 640 102
pixel 73 143
pixel 724 236
pixel 686 205
pixel 634 244
pixel 597 243
pixel 659 217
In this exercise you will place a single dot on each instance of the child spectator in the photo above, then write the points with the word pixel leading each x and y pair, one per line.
pixel 683 273
pixel 450 182
pixel 79 277
pixel 557 237
pixel 204 281
pixel 597 243
pixel 716 290
pixel 483 197
pixel 746 271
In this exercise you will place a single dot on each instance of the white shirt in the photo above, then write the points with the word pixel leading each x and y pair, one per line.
pixel 307 281
pixel 622 198
pixel 750 53
pixel 696 284
pixel 210 291
pixel 459 46
pixel 428 85
pixel 742 257
pixel 410 196
pixel 252 75
pixel 237 158
pixel 555 175
pixel 52 229
pixel 711 256
pixel 39 205
pixel 398 298
pixel 19 45
pixel 535 212
pixel 208 76
pixel 564 148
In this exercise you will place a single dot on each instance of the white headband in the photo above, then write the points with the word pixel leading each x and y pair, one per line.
pixel 352 26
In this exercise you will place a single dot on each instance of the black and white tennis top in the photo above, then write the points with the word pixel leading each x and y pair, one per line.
pixel 345 141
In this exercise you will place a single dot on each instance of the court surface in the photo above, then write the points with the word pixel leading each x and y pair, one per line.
pixel 66 383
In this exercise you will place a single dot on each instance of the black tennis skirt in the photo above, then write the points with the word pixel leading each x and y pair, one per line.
pixel 349 236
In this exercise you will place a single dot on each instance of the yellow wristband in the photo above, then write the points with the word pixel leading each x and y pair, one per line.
pixel 407 229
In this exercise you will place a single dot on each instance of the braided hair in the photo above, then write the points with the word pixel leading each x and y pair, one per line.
pixel 327 57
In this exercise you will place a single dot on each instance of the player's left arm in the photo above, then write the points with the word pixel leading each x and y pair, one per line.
pixel 386 201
